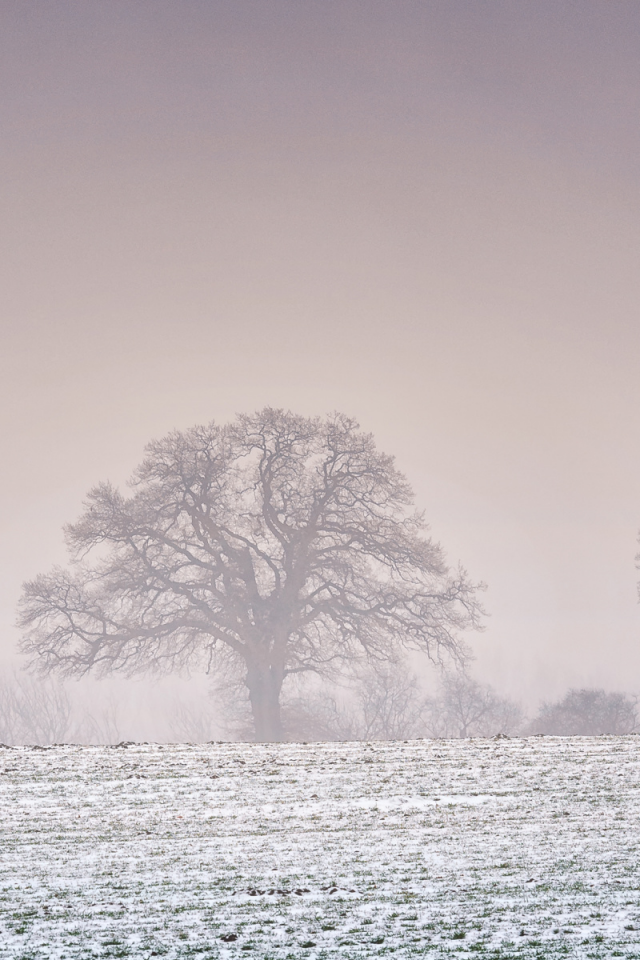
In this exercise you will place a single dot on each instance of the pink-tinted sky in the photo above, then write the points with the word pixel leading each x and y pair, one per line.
pixel 425 214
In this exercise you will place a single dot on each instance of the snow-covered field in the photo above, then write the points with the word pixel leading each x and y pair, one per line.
pixel 477 848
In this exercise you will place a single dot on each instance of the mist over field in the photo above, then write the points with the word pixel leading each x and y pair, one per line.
pixel 422 215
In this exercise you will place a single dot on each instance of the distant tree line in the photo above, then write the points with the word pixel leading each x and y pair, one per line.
pixel 382 703
pixel 387 705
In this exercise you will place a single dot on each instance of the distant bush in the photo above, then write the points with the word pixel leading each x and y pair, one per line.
pixel 384 703
pixel 465 708
pixel 33 712
pixel 588 713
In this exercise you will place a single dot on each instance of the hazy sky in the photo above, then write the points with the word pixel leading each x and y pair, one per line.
pixel 424 213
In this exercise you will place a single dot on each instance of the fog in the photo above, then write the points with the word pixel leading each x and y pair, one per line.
pixel 423 215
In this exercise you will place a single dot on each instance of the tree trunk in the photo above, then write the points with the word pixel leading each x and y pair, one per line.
pixel 265 683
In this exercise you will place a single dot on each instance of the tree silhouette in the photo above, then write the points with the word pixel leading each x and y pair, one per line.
pixel 279 543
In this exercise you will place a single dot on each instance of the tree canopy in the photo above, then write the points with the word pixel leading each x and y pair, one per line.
pixel 279 543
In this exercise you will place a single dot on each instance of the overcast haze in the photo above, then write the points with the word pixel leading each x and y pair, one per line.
pixel 423 214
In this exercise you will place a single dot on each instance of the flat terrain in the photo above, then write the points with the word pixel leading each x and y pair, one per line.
pixel 464 848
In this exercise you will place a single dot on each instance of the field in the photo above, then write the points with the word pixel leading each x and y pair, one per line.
pixel 468 848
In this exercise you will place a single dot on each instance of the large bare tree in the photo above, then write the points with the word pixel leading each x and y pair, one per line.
pixel 280 543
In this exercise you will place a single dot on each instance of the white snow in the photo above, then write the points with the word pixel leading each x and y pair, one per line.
pixel 465 848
